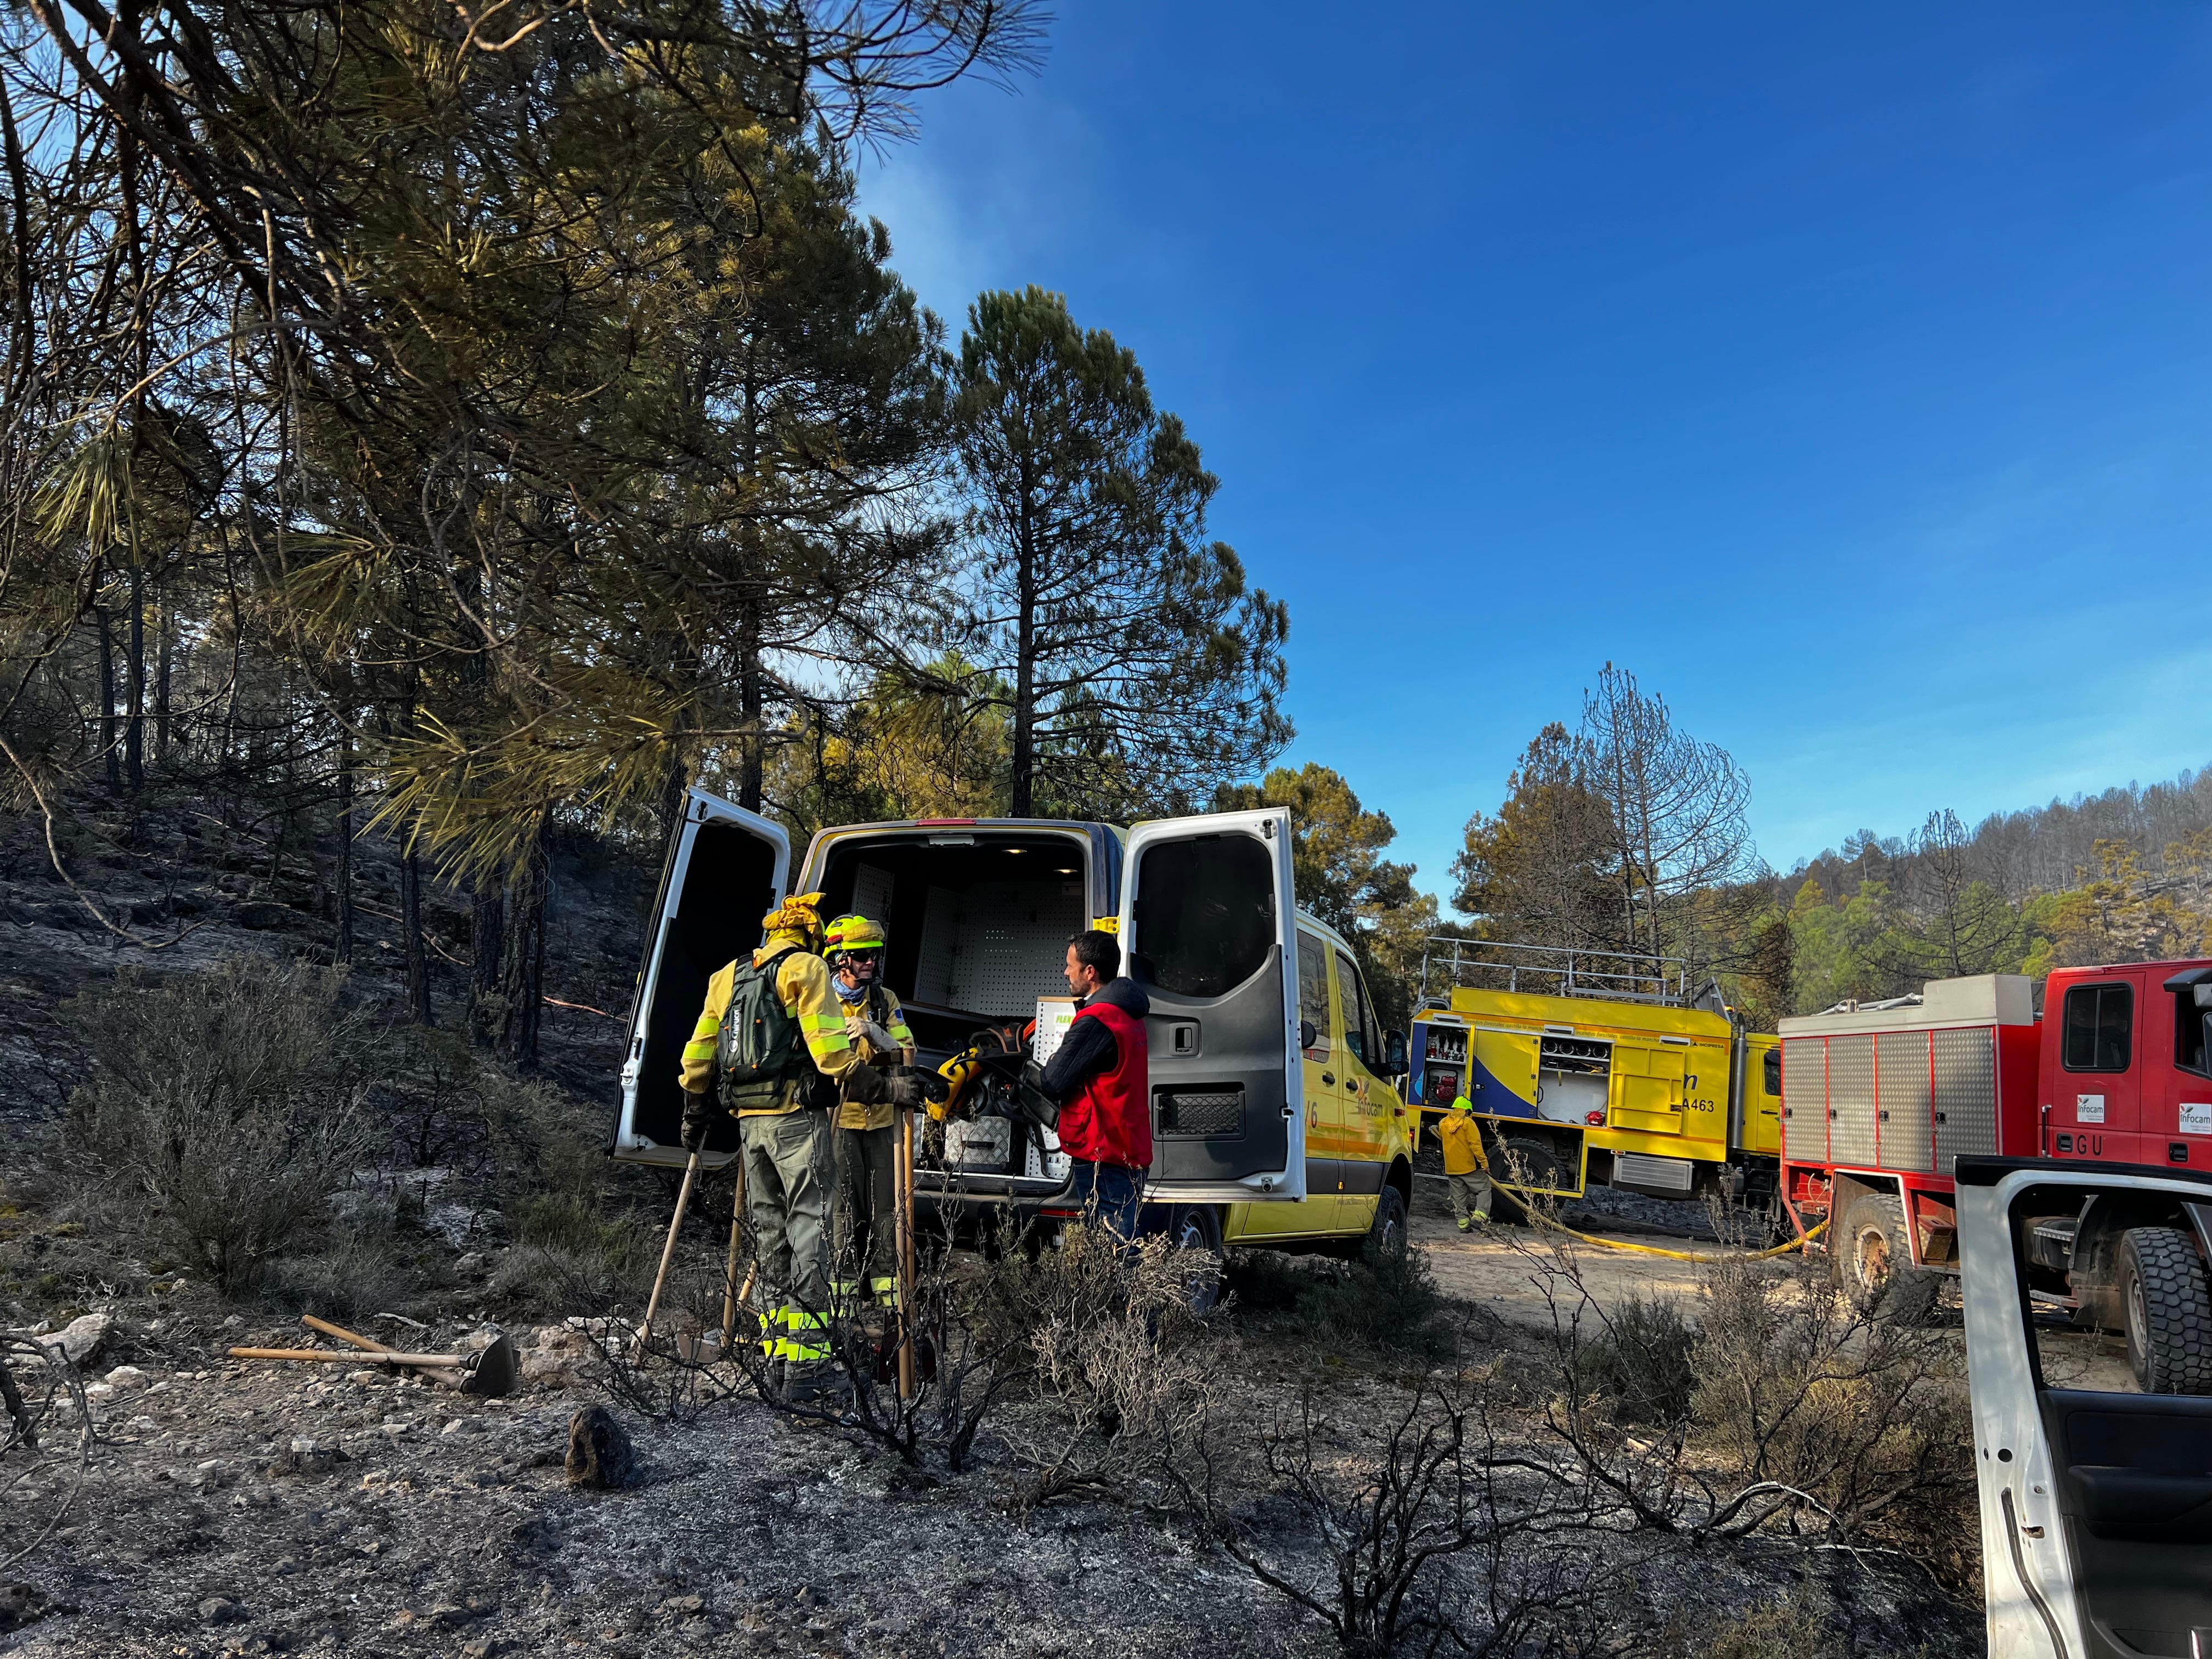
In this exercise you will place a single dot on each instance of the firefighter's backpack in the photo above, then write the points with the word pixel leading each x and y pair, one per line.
pixel 758 1049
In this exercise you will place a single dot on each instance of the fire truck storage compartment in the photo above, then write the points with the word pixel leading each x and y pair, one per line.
pixel 1439 1058
pixel 1657 1177
pixel 1850 1102
pixel 1805 1100
pixel 977 920
pixel 1572 1076
pixel 1905 1087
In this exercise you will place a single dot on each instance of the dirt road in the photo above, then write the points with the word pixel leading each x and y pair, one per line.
pixel 1518 1274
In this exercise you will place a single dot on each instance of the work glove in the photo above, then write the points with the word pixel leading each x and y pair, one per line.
pixel 698 1118
pixel 866 1086
pixel 906 1090
pixel 862 1029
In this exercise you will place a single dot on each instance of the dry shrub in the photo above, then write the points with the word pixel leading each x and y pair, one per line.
pixel 1104 1333
pixel 224 1110
pixel 362 1269
pixel 1807 1421
pixel 1424 1523
pixel 373 1257
pixel 1641 1361
pixel 576 1244
pixel 1392 1306
pixel 1862 1419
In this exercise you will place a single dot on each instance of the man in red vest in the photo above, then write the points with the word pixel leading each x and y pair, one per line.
pixel 1099 1077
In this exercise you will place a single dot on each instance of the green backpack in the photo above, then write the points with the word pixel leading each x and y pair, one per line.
pixel 758 1048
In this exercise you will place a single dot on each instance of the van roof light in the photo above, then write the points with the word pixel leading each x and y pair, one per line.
pixel 931 823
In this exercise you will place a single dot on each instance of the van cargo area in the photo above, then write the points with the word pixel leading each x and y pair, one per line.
pixel 978 923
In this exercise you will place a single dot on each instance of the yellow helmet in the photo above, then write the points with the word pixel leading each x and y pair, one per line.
pixel 799 917
pixel 855 932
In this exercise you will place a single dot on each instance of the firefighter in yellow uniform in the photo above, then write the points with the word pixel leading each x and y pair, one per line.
pixel 866 1231
pixel 771 1048
pixel 1466 1166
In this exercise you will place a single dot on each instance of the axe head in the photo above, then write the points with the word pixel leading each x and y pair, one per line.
pixel 491 1372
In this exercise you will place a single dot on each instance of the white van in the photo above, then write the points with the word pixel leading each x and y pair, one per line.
pixel 978 913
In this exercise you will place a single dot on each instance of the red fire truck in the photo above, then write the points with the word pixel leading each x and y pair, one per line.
pixel 1879 1100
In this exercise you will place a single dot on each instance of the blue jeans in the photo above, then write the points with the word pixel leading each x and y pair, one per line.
pixel 1108 1193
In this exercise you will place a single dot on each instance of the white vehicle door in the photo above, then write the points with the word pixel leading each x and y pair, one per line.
pixel 2089 1357
pixel 1208 930
pixel 726 870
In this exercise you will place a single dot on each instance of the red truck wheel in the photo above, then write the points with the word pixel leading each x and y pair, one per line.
pixel 1874 1259
pixel 2166 1309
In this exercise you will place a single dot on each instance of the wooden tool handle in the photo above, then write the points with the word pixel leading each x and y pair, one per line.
pixel 668 1251
pixel 343 1334
pixel 329 1357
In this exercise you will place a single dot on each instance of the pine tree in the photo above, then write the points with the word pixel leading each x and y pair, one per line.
pixel 1143 670
pixel 1542 871
pixel 548 386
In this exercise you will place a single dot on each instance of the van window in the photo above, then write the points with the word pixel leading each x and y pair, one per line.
pixel 1772 1068
pixel 1313 991
pixel 1359 1033
pixel 2100 1021
pixel 1204 913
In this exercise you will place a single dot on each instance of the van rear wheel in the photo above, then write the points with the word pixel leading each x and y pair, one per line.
pixel 1386 1241
pixel 2166 1309
pixel 1197 1229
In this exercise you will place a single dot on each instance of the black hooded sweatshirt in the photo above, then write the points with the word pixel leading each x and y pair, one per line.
pixel 1088 1047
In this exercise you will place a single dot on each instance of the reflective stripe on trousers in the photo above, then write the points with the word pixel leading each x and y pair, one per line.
pixel 793 1334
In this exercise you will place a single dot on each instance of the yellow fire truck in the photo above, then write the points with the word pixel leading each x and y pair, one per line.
pixel 1593 1066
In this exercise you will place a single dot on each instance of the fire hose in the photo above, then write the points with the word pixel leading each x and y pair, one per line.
pixel 1549 1226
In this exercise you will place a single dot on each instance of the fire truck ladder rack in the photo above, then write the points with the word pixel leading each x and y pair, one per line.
pixel 1551 969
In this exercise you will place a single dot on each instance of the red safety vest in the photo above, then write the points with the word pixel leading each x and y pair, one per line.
pixel 1109 1121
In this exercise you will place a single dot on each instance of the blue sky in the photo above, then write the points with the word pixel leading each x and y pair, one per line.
pixel 1842 375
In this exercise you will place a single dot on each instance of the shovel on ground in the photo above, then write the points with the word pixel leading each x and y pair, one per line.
pixel 490 1372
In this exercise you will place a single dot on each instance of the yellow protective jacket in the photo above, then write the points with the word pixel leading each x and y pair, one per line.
pixel 1462 1142
pixel 881 1005
pixel 802 984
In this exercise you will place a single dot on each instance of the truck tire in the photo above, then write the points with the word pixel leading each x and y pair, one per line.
pixel 2166 1309
pixel 1874 1258
pixel 1386 1240
pixel 1536 1161
pixel 1197 1228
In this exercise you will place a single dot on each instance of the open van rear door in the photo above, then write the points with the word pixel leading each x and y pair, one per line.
pixel 2094 1456
pixel 1208 929
pixel 727 869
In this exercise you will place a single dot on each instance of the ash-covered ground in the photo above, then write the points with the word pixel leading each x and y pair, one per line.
pixel 257 1509
pixel 254 1507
